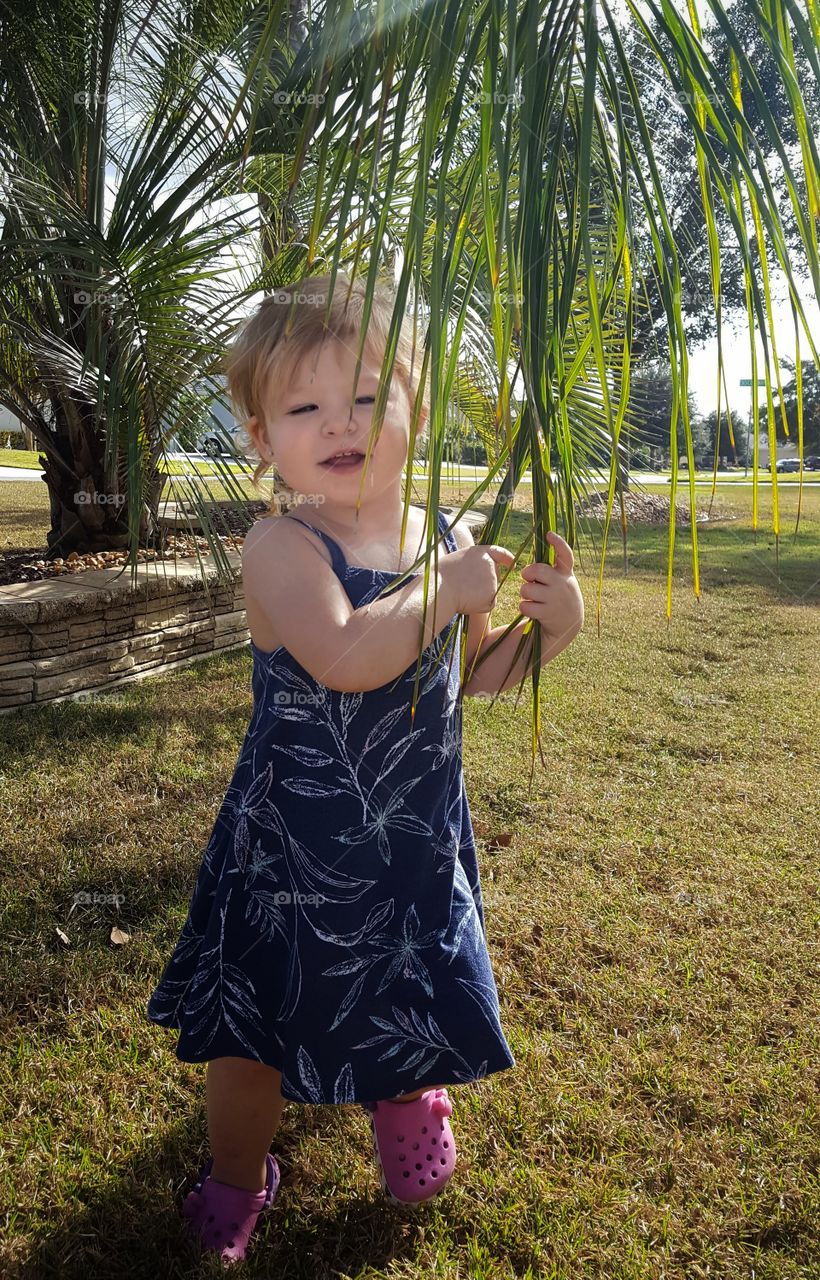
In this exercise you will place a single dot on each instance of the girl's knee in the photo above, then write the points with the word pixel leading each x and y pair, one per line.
pixel 249 1069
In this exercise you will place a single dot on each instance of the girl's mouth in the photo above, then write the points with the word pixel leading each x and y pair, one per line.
pixel 349 462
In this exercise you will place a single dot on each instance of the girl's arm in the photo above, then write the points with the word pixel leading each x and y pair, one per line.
pixel 347 649
pixel 488 679
pixel 550 594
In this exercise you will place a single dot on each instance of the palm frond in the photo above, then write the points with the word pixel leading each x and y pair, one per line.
pixel 499 155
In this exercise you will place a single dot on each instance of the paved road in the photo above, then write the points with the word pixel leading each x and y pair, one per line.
pixel 640 477
pixel 31 473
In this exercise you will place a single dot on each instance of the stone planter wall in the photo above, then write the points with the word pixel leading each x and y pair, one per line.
pixel 68 636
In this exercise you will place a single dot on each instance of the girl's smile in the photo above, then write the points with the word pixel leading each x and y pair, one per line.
pixel 313 423
pixel 350 460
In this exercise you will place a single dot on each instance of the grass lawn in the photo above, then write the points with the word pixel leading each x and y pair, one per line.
pixel 28 458
pixel 24 508
pixel 652 914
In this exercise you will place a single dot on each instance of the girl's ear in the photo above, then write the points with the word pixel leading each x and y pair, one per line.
pixel 257 435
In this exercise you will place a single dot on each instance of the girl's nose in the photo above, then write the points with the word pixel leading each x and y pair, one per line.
pixel 339 422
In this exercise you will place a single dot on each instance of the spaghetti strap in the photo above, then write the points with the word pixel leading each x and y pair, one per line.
pixel 449 536
pixel 340 564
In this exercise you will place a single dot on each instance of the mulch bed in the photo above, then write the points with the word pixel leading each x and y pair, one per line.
pixel 646 508
pixel 31 564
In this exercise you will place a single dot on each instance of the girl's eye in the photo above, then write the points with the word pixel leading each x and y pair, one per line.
pixel 313 406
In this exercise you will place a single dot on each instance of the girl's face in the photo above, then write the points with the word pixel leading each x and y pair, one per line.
pixel 308 420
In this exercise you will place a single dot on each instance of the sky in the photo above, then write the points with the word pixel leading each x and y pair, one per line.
pixel 703 360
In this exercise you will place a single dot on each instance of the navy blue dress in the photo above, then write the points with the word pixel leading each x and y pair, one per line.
pixel 336 927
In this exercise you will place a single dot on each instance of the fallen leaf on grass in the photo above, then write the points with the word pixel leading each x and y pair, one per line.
pixel 118 936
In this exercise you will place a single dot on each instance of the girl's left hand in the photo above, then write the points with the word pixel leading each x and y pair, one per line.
pixel 550 593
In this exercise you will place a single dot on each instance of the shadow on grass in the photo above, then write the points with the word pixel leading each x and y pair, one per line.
pixel 133 1226
pixel 160 758
pixel 109 718
pixel 155 897
pixel 794 580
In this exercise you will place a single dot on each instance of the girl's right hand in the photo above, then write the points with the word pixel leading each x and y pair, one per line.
pixel 472 576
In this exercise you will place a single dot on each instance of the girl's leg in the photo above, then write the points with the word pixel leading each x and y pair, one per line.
pixel 410 1097
pixel 244 1110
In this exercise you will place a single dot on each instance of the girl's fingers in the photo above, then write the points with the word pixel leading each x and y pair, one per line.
pixel 537 575
pixel 500 554
pixel 539 571
pixel 564 559
pixel 538 591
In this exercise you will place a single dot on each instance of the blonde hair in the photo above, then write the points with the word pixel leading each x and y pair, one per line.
pixel 266 348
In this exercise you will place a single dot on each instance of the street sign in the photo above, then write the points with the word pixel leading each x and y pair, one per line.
pixel 747 382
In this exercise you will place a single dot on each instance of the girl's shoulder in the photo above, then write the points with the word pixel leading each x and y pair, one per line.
pixel 279 534
pixel 271 541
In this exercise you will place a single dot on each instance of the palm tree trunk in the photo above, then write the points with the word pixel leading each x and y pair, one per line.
pixel 297 24
pixel 88 506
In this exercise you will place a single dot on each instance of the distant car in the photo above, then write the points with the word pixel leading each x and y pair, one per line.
pixel 812 462
pixel 214 445
pixel 787 464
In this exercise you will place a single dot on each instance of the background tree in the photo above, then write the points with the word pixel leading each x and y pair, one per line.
pixel 123 216
pixel 674 151
pixel 650 415
pixel 811 408
pixel 735 454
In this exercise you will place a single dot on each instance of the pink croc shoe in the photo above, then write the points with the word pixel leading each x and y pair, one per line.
pixel 414 1146
pixel 224 1216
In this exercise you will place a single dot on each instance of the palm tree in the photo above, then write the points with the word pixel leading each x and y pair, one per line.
pixel 496 154
pixel 124 205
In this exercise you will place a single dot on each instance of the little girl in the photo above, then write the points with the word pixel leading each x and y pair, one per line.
pixel 334 950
